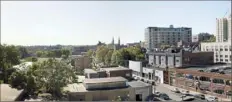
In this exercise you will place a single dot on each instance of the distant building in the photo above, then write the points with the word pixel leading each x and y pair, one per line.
pixel 81 62
pixel 177 57
pixel 114 46
pixel 157 36
pixel 222 46
pixel 108 89
pixel 205 81
pixel 223 29
pixel 201 37
pixel 222 51
pixel 109 72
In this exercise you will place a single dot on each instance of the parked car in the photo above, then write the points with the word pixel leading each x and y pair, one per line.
pixel 187 97
pixel 164 96
pixel 212 99
pixel 200 96
pixel 176 90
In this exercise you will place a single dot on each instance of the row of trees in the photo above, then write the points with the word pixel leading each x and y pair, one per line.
pixel 110 57
pixel 64 53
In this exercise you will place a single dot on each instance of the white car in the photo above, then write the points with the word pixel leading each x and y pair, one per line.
pixel 212 99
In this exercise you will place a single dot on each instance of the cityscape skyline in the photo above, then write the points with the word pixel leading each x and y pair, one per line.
pixel 51 23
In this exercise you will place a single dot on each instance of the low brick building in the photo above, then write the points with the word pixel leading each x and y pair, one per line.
pixel 206 82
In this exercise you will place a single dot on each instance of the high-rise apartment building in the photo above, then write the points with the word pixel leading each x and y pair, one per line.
pixel 156 36
pixel 223 29
pixel 229 28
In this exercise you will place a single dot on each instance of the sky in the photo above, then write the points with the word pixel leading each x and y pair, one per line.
pixel 87 22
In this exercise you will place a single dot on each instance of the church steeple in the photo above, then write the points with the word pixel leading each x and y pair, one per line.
pixel 112 41
pixel 119 41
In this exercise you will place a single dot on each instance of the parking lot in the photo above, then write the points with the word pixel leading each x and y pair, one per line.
pixel 172 95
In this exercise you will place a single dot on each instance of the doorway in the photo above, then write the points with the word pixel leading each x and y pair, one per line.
pixel 139 97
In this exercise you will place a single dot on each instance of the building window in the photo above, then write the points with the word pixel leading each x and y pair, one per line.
pixel 216 60
pixel 177 60
pixel 226 56
pixel 221 56
pixel 221 60
pixel 226 49
pixel 226 60
pixel 221 49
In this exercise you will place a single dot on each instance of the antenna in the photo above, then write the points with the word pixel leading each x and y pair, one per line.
pixel 226 13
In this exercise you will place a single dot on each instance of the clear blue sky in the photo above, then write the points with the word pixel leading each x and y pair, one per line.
pixel 87 22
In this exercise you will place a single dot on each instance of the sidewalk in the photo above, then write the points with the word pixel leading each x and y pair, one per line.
pixel 193 92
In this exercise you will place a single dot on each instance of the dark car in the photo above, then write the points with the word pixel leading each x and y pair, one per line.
pixel 164 96
pixel 201 96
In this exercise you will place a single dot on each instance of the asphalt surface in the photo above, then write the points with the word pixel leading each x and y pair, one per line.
pixel 172 95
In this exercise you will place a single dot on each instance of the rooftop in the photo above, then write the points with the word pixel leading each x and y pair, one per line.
pixel 138 84
pixel 114 69
pixel 8 93
pixel 90 71
pixel 105 80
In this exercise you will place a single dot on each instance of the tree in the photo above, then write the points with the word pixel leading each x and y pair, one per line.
pixel 108 57
pixel 211 39
pixel 23 52
pixel 39 53
pixel 49 77
pixel 9 56
pixel 100 53
pixel 65 52
pixel 90 53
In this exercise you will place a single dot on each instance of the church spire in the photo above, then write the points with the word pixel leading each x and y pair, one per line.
pixel 119 41
pixel 112 41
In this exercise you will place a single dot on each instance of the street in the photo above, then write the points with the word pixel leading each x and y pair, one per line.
pixel 174 96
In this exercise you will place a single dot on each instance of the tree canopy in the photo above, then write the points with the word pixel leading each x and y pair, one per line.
pixel 46 77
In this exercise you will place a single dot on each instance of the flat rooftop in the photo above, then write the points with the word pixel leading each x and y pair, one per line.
pixel 104 80
pixel 8 93
pixel 90 71
pixel 137 84
pixel 114 69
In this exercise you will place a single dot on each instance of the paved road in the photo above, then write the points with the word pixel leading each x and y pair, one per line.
pixel 173 96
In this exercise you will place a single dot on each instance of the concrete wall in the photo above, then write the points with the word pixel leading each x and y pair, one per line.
pixel 178 61
pixel 163 62
pixel 82 62
pixel 135 66
pixel 145 91
pixel 171 61
pixel 151 59
pixel 123 73
pixel 94 86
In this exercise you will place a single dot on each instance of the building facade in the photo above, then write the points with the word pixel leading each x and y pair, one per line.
pixel 109 89
pixel 222 51
pixel 156 36
pixel 205 82
pixel 175 58
pixel 81 62
pixel 223 29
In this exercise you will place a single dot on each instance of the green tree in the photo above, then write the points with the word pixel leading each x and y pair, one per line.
pixel 101 52
pixel 49 77
pixel 9 56
pixel 23 52
pixel 90 53
pixel 108 57
pixel 65 52
pixel 39 53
